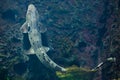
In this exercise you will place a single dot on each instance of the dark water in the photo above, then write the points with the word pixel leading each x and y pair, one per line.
pixel 78 33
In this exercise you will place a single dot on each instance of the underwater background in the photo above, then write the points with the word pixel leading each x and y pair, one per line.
pixel 81 34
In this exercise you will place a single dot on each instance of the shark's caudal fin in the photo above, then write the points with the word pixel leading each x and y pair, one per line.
pixel 45 59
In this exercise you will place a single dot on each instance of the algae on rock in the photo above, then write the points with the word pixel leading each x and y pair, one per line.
pixel 76 73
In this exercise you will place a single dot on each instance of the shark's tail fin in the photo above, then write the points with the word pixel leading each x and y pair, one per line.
pixel 45 59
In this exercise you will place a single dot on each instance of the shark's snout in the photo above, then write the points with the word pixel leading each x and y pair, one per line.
pixel 31 13
pixel 31 7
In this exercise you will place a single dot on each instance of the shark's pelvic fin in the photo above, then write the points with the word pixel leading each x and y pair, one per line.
pixel 30 51
pixel 46 49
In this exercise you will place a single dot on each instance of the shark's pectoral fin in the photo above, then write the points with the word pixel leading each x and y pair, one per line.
pixel 24 28
pixel 46 49
pixel 42 29
pixel 30 51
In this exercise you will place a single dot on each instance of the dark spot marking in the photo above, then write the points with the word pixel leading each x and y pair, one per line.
pixel 33 43
pixel 37 41
pixel 44 57
pixel 48 60
pixel 51 63
pixel 29 28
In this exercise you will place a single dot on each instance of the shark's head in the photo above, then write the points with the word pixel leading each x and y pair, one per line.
pixel 32 14
pixel 31 8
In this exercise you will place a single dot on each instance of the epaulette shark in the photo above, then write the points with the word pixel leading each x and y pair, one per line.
pixel 31 26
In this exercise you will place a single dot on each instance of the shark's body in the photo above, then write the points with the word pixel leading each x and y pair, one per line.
pixel 31 26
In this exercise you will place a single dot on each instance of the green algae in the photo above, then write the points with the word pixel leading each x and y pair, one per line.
pixel 76 73
pixel 17 77
pixel 2 55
